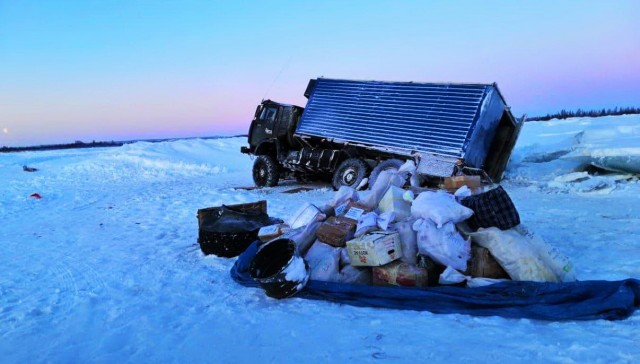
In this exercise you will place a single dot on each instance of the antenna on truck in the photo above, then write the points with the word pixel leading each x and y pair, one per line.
pixel 277 76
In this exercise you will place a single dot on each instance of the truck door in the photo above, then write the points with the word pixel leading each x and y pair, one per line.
pixel 265 122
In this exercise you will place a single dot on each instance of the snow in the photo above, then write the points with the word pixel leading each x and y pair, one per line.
pixel 106 268
pixel 296 271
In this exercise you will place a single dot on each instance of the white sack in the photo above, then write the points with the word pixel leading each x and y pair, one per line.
pixel 344 194
pixel 371 221
pixel 452 276
pixel 344 257
pixel 524 255
pixel 383 182
pixel 408 241
pixel 439 207
pixel 415 180
pixel 324 262
pixel 366 223
pixel 462 192
pixel 305 215
pixel 444 245
pixel 408 167
pixel 350 274
pixel 384 219
pixel 303 236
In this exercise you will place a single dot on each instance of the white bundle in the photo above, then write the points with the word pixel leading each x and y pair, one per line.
pixel 444 245
pixel 524 255
pixel 324 262
pixel 439 207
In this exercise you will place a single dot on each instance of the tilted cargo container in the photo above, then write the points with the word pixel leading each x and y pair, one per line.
pixel 351 126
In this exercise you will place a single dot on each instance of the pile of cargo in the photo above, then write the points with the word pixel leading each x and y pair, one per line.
pixel 463 234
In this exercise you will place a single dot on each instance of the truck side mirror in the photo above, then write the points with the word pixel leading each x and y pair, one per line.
pixel 257 111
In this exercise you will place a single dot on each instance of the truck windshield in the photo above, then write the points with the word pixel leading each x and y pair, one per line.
pixel 269 113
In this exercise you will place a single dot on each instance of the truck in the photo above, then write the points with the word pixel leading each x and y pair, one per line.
pixel 352 130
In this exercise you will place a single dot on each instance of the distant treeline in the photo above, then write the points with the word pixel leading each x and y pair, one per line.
pixel 94 144
pixel 563 114
pixel 75 145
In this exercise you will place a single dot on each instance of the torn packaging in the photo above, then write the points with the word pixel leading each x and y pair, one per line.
pixel 270 232
pixel 455 182
pixel 400 274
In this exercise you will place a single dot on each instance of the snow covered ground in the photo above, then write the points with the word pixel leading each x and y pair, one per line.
pixel 106 268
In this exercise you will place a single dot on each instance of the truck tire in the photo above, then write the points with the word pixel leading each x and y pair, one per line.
pixel 350 173
pixel 389 164
pixel 265 171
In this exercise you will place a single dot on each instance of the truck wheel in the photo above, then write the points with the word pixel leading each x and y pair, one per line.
pixel 387 165
pixel 350 173
pixel 265 171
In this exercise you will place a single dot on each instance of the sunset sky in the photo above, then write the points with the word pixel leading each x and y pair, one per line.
pixel 121 70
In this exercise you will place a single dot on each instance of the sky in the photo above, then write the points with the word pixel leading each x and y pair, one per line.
pixel 123 70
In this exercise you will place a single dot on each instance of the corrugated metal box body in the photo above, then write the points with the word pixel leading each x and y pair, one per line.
pixel 447 120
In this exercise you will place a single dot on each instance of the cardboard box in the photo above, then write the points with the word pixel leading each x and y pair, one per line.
pixel 336 231
pixel 453 183
pixel 393 201
pixel 400 274
pixel 483 264
pixel 374 249
pixel 271 232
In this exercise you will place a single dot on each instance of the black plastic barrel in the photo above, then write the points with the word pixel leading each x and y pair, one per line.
pixel 279 270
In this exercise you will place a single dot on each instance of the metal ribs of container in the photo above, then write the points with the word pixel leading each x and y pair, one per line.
pixel 423 117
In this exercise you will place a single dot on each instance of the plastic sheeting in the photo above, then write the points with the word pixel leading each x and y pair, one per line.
pixel 587 300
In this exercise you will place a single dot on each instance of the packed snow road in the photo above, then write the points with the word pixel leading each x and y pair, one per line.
pixel 106 268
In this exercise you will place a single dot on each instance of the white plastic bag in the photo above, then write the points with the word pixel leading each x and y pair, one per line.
pixel 462 192
pixel 408 167
pixel 415 180
pixel 383 182
pixel 444 245
pixel 344 257
pixel 439 207
pixel 303 236
pixel 306 214
pixel 524 255
pixel 452 276
pixel 354 275
pixel 371 221
pixel 343 195
pixel 408 241
pixel 366 223
pixel 384 219
pixel 324 262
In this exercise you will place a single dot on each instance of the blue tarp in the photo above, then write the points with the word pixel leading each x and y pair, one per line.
pixel 586 300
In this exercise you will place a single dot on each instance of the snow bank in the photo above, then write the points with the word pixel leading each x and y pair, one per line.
pixel 548 154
